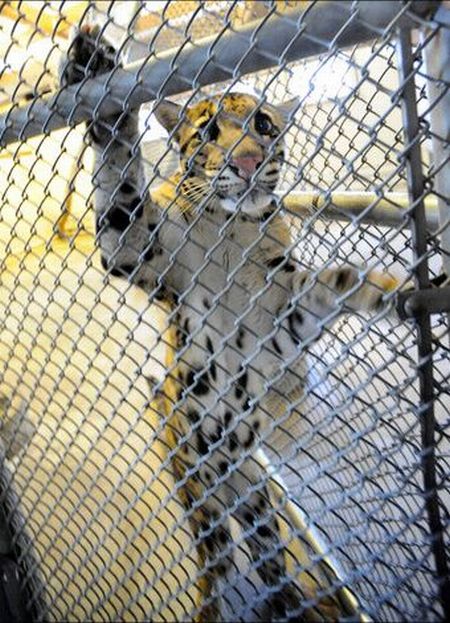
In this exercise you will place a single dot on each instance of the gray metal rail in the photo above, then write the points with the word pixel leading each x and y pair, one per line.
pixel 260 45
pixel 416 187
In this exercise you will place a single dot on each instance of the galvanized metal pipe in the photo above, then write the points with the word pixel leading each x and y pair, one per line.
pixel 260 45
pixel 307 537
pixel 431 301
pixel 416 187
pixel 437 60
pixel 391 210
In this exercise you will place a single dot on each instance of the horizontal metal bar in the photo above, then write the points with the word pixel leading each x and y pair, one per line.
pixel 260 45
pixel 323 575
pixel 389 210
pixel 431 301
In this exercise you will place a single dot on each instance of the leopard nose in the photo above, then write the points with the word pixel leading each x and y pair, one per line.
pixel 246 165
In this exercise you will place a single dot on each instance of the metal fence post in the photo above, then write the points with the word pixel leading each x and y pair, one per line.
pixel 416 188
pixel 437 59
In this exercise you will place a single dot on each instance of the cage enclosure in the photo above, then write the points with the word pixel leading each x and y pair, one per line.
pixel 162 456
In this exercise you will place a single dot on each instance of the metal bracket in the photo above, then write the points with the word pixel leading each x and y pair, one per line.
pixel 415 302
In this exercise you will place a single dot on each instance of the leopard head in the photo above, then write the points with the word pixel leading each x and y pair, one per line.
pixel 233 143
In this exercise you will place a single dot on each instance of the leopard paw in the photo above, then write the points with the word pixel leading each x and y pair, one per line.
pixel 89 55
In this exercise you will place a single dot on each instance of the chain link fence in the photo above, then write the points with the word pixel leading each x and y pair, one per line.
pixel 95 518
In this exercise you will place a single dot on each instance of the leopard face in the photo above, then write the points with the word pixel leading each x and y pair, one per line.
pixel 233 144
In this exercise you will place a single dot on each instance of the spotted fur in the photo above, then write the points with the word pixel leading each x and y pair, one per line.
pixel 212 241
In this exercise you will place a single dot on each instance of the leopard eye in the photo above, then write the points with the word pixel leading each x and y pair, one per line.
pixel 263 124
pixel 210 129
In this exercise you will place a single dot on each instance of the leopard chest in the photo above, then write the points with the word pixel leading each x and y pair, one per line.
pixel 224 321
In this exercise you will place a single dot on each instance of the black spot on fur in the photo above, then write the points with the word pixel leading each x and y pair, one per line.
pixel 241 384
pixel 278 606
pixel 200 385
pixel 264 531
pixel 149 255
pixel 209 344
pixel 240 338
pixel 256 425
pixel 161 294
pixel 219 432
pixel 222 536
pixel 209 542
pixel 183 333
pixel 249 518
pixel 276 346
pixel 292 330
pixel 104 262
pixel 123 269
pixel 221 570
pixel 151 226
pixel 266 215
pixel 227 418
pixel 95 135
pixel 342 278
pixel 193 416
pixel 379 302
pixel 126 188
pixel 250 439
pixel 276 261
pixel 213 370
pixel 137 207
pixel 119 218
pixel 212 129
pixel 233 442
pixel 206 304
pixel 202 446
pixel 289 268
pixel 223 466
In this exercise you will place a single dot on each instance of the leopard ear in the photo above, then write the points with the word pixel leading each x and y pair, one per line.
pixel 288 108
pixel 168 114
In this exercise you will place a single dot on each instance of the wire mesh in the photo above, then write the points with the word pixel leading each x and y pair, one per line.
pixel 102 520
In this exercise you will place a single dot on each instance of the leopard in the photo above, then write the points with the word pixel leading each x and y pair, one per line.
pixel 213 242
